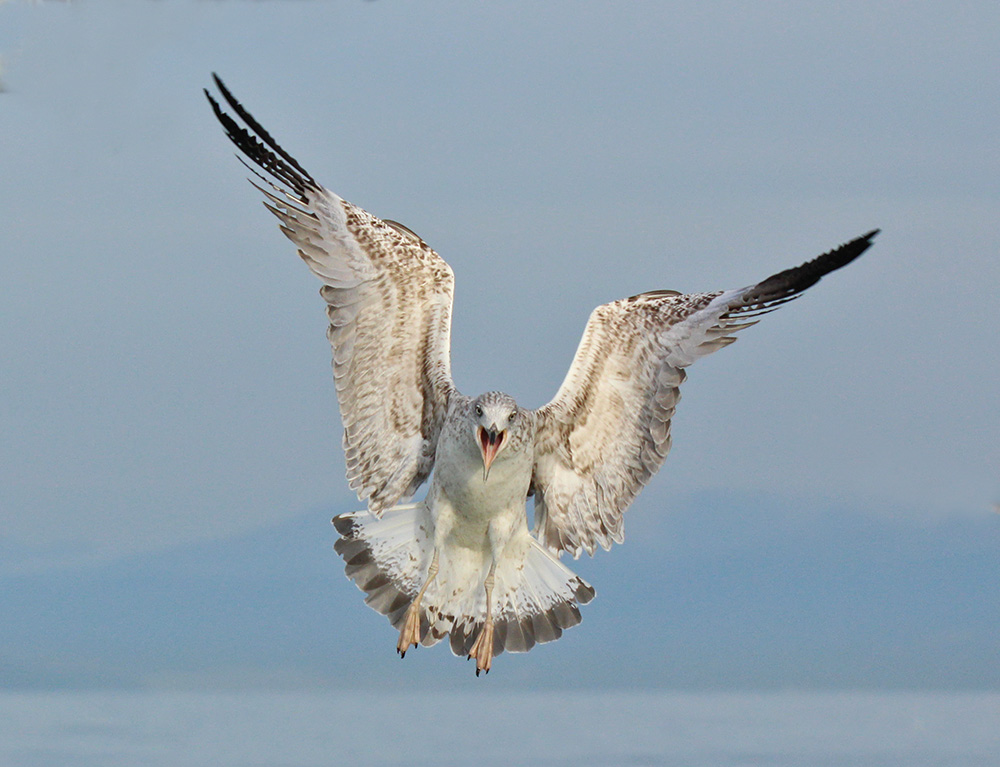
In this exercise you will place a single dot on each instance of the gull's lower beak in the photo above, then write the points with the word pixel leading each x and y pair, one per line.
pixel 490 441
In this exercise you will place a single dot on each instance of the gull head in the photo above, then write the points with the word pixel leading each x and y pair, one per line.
pixel 494 416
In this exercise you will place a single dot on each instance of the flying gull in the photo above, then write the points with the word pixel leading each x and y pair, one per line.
pixel 462 563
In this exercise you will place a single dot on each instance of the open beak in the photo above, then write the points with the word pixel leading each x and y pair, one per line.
pixel 490 441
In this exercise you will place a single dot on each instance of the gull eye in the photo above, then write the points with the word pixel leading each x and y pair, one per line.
pixel 479 409
pixel 512 417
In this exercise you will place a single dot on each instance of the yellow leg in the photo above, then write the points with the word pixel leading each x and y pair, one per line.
pixel 482 650
pixel 410 633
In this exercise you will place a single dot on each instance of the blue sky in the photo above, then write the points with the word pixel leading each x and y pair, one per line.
pixel 166 377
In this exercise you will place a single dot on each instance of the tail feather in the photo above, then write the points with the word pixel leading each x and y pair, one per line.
pixel 382 565
pixel 535 596
pixel 535 600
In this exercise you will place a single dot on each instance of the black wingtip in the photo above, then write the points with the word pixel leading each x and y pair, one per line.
pixel 866 239
pixel 791 282
pixel 227 94
pixel 222 89
pixel 215 106
pixel 257 144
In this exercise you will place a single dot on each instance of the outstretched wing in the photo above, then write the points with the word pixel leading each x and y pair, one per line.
pixel 607 430
pixel 389 300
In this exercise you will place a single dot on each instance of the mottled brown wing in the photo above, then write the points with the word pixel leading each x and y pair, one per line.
pixel 607 431
pixel 389 300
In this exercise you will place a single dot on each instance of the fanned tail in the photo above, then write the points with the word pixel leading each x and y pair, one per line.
pixel 535 596
pixel 387 557
pixel 535 599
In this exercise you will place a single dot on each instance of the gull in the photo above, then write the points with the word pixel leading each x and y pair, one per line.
pixel 462 562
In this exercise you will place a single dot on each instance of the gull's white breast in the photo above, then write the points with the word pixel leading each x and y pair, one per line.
pixel 463 506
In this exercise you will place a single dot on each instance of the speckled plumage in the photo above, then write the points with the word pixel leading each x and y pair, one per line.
pixel 462 562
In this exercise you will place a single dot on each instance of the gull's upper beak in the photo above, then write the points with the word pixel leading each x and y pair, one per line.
pixel 490 441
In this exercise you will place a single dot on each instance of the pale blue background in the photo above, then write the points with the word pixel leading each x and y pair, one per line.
pixel 169 445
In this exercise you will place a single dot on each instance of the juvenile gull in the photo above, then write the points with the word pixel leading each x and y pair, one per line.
pixel 462 562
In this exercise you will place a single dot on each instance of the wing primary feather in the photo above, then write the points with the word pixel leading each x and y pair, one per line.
pixel 257 128
pixel 260 154
pixel 280 207
pixel 288 196
pixel 621 391
pixel 389 298
pixel 791 282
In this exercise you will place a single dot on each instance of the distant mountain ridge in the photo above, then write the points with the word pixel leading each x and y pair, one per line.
pixel 714 593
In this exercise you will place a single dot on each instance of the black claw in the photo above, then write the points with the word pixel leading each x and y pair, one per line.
pixel 402 654
pixel 477 671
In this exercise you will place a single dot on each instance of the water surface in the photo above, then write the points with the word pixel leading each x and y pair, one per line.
pixel 303 729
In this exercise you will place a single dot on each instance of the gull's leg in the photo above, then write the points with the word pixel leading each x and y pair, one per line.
pixel 410 633
pixel 482 650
